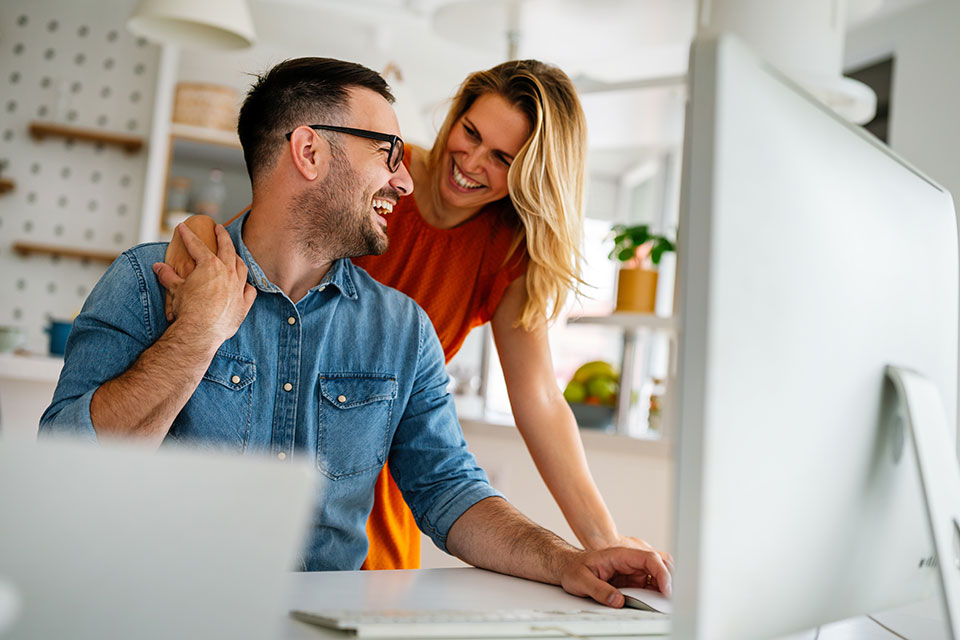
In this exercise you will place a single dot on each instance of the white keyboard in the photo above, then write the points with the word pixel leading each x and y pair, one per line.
pixel 523 623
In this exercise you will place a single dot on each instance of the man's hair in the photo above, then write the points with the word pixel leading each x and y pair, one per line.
pixel 301 91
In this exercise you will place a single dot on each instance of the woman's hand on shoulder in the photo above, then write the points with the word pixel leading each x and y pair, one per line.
pixel 179 258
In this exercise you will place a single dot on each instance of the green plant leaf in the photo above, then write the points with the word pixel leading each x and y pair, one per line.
pixel 626 254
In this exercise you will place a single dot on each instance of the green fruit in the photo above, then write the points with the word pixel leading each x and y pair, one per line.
pixel 575 392
pixel 597 368
pixel 603 389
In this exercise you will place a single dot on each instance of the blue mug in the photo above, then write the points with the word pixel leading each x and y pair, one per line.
pixel 58 331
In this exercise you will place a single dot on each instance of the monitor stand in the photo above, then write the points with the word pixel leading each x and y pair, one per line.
pixel 921 408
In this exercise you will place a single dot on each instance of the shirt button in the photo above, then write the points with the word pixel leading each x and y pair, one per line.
pixel 341 399
pixel 291 320
pixel 281 456
pixel 322 287
pixel 235 379
pixel 287 386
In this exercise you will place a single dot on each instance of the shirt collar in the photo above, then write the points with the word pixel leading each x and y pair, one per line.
pixel 340 274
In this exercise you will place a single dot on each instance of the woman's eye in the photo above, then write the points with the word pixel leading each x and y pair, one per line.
pixel 471 132
pixel 503 160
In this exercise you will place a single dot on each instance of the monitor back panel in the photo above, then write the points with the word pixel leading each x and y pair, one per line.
pixel 811 257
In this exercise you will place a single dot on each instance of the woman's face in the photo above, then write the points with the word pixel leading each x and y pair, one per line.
pixel 480 148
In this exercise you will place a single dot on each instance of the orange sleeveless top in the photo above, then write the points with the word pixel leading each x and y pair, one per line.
pixel 458 276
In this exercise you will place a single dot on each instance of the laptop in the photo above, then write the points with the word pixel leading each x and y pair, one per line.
pixel 125 542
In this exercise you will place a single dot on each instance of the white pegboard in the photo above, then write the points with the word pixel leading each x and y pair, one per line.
pixel 72 63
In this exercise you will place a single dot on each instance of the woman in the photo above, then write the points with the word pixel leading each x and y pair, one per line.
pixel 491 234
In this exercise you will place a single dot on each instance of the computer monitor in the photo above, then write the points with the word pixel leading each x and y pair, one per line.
pixel 811 257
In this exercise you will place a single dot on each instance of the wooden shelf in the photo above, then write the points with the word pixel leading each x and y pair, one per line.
pixel 29 248
pixel 205 135
pixel 627 320
pixel 41 130
pixel 6 184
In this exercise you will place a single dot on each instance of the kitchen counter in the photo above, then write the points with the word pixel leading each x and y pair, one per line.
pixel 27 383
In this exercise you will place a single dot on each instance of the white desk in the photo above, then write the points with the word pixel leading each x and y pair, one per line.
pixel 476 589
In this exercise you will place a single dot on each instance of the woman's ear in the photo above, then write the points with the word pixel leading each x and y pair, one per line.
pixel 310 153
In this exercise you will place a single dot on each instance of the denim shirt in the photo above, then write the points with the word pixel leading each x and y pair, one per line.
pixel 347 376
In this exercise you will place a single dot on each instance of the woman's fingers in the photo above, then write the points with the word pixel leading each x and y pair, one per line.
pixel 195 246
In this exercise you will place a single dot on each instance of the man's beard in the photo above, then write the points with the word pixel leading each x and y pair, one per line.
pixel 333 220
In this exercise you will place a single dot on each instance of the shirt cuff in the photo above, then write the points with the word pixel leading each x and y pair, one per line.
pixel 450 506
pixel 73 420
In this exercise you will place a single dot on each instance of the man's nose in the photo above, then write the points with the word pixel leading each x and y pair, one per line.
pixel 401 180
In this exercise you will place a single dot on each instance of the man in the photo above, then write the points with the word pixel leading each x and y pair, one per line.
pixel 282 346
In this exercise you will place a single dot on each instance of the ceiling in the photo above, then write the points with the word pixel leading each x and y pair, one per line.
pixel 607 40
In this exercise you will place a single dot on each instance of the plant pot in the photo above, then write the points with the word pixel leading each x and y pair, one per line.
pixel 637 290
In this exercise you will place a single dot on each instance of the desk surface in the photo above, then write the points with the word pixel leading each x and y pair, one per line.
pixel 476 589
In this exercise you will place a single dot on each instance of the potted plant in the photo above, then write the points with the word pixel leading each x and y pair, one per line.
pixel 639 253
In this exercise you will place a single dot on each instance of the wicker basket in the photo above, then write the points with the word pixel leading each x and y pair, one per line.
pixel 206 105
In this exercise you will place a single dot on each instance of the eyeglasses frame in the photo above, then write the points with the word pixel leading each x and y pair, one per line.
pixel 394 140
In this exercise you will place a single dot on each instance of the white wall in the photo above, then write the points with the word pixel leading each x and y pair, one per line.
pixel 925 97
pixel 635 478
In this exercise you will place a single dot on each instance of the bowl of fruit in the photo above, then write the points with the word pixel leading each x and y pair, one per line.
pixel 592 394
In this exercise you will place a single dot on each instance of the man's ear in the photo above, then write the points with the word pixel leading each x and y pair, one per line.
pixel 310 153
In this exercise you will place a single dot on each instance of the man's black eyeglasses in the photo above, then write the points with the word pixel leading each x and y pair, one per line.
pixel 394 158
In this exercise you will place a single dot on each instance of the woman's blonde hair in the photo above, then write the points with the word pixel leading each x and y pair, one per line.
pixel 545 180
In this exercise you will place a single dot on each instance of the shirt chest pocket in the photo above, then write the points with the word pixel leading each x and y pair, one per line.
pixel 218 413
pixel 354 422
